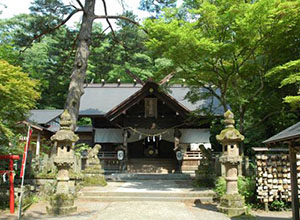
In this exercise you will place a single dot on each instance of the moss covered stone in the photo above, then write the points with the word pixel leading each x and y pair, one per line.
pixel 97 180
pixel 232 205
pixel 61 204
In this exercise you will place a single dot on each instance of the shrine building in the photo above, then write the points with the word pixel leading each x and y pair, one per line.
pixel 148 122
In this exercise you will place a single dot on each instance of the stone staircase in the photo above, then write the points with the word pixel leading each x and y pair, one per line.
pixel 128 194
pixel 149 176
pixel 152 165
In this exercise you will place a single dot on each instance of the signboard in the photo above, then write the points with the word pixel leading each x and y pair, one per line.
pixel 120 154
pixel 179 155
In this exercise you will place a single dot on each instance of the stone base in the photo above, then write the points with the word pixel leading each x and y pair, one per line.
pixel 61 204
pixel 93 169
pixel 232 205
pixel 94 180
pixel 232 211
pixel 61 210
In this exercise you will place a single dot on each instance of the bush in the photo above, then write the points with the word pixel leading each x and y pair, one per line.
pixel 278 205
pixel 220 187
pixel 246 187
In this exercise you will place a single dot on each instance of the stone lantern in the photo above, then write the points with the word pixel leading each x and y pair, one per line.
pixel 232 203
pixel 62 202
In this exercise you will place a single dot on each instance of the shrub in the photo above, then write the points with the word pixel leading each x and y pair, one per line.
pixel 246 187
pixel 278 205
pixel 220 187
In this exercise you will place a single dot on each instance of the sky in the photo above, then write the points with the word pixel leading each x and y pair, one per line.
pixel 10 8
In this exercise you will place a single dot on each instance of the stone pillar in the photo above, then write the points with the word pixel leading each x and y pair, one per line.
pixel 62 202
pixel 232 203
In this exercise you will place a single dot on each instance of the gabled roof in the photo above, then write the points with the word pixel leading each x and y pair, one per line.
pixel 290 133
pixel 150 88
pixel 43 116
pixel 99 99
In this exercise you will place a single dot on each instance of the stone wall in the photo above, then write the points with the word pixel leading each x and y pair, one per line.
pixel 273 177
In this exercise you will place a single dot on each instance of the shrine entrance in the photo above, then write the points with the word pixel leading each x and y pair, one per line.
pixel 151 155
pixel 151 148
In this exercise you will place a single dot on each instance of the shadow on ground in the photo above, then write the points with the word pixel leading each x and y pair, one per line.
pixel 42 215
pixel 258 216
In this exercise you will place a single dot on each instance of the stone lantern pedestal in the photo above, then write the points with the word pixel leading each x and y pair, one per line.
pixel 62 202
pixel 232 203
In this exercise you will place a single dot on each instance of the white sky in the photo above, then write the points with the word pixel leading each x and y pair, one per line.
pixel 10 8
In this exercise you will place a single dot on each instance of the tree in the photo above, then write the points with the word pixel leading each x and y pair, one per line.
pixel 222 46
pixel 78 74
pixel 49 59
pixel 18 94
pixel 156 6
pixel 50 16
pixel 290 75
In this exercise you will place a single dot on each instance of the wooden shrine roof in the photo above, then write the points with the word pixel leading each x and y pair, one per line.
pixel 99 99
pixel 288 134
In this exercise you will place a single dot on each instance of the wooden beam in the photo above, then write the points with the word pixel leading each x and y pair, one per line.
pixel 133 76
pixel 294 182
pixel 166 78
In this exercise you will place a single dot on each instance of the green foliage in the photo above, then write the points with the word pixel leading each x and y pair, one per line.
pixel 84 121
pixel 290 75
pixel 79 148
pixel 28 201
pixel 246 187
pixel 18 94
pixel 228 47
pixel 156 6
pixel 220 187
pixel 278 205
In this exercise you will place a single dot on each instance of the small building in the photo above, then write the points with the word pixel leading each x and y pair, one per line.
pixel 290 136
pixel 149 122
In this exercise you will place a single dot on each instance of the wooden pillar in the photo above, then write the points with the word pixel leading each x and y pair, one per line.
pixel 125 143
pixel 294 182
pixel 38 144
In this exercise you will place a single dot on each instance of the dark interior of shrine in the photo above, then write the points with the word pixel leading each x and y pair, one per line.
pixel 151 148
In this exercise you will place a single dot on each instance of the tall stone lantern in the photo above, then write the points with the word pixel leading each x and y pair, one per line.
pixel 62 202
pixel 232 203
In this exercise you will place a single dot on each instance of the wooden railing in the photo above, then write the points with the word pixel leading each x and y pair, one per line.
pixel 107 155
pixel 192 155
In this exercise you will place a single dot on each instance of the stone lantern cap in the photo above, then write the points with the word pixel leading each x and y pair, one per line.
pixel 65 134
pixel 230 134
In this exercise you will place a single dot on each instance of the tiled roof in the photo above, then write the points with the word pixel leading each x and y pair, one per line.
pixel 98 99
pixel 42 116
pixel 287 134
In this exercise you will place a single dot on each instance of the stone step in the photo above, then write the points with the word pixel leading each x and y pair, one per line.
pixel 152 161
pixel 148 176
pixel 199 194
pixel 202 200
pixel 151 170
pixel 189 168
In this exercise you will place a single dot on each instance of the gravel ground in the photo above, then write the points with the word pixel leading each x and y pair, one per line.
pixel 142 210
pixel 91 210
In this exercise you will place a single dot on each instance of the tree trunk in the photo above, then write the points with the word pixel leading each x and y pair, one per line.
pixel 80 64
pixel 241 127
